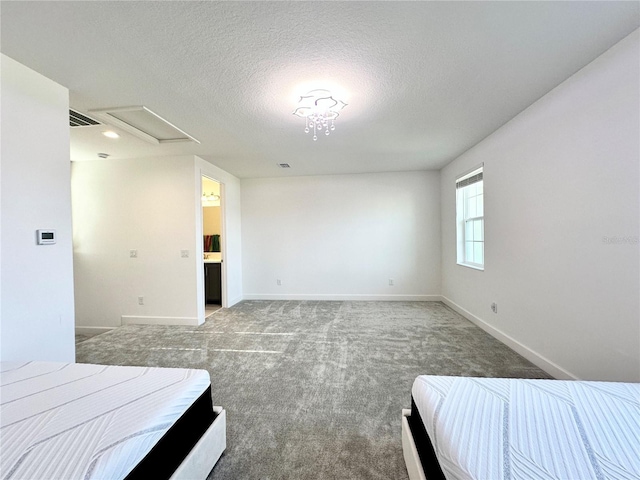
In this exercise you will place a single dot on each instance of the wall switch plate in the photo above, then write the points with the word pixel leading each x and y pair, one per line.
pixel 140 300
pixel 184 253
pixel 278 282
pixel 133 253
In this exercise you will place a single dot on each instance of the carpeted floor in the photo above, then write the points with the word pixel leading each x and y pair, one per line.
pixel 314 390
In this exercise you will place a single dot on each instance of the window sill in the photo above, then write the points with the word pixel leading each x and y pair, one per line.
pixel 474 267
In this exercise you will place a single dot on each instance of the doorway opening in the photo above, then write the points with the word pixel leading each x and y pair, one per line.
pixel 212 244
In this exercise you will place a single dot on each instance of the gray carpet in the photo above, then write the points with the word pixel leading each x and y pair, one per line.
pixel 314 390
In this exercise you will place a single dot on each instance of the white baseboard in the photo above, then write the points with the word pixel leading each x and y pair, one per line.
pixel 341 297
pixel 534 357
pixel 83 330
pixel 140 320
pixel 235 300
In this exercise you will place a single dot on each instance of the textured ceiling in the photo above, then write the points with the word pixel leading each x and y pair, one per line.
pixel 424 81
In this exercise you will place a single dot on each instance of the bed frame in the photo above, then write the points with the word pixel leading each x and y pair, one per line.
pixel 409 450
pixel 206 453
pixel 419 454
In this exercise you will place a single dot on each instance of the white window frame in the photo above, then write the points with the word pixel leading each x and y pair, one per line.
pixel 464 218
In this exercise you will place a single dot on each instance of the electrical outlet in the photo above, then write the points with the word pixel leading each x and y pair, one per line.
pixel 278 282
pixel 391 282
pixel 133 253
pixel 140 300
pixel 184 253
pixel 494 307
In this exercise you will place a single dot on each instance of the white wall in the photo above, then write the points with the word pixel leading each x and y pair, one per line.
pixel 148 205
pixel 212 220
pixel 560 178
pixel 37 317
pixel 231 241
pixel 342 236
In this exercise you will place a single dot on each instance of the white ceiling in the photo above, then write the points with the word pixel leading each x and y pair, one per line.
pixel 424 81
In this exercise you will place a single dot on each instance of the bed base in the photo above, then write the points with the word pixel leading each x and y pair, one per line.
pixel 206 453
pixel 409 450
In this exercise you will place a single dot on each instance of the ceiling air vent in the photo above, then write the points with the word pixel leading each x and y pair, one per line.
pixel 284 165
pixel 77 119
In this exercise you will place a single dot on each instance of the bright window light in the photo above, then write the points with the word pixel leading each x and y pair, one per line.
pixel 470 219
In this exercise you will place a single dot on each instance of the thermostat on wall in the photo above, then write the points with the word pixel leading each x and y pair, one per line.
pixel 46 237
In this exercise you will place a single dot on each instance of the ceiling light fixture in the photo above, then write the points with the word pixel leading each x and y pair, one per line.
pixel 210 198
pixel 110 134
pixel 319 109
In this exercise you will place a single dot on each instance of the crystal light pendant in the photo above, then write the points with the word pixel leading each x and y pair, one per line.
pixel 319 109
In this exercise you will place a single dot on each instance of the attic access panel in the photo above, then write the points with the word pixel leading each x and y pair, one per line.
pixel 143 123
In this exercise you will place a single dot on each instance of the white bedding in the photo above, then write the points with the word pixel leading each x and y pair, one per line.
pixel 81 421
pixel 488 428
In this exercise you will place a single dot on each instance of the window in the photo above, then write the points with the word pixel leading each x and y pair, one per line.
pixel 470 219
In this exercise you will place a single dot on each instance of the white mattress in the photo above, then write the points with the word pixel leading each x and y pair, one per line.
pixel 486 428
pixel 80 421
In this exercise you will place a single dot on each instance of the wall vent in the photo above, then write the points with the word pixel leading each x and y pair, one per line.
pixel 284 165
pixel 77 119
